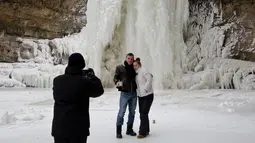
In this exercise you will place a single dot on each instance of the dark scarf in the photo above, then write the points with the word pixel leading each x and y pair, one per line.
pixel 130 70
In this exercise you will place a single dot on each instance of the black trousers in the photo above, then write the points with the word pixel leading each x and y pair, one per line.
pixel 144 108
pixel 70 140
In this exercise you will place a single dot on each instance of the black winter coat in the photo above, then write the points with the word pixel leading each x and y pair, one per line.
pixel 71 93
pixel 126 74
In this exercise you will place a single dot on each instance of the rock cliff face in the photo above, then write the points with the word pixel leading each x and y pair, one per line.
pixel 8 50
pixel 242 14
pixel 42 19
pixel 220 39
pixel 221 28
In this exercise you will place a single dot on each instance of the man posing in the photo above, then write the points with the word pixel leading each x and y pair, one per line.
pixel 124 79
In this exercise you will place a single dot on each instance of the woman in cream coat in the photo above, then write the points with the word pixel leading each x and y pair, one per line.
pixel 145 97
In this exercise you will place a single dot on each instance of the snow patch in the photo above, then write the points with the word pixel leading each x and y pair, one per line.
pixel 24 115
pixel 232 105
pixel 32 117
pixel 7 118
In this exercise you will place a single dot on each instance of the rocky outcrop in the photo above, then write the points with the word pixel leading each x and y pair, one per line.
pixel 42 18
pixel 36 19
pixel 8 50
pixel 241 13
pixel 220 39
pixel 221 28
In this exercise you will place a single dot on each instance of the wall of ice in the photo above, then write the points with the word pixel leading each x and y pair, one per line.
pixel 179 44
pixel 29 74
pixel 156 36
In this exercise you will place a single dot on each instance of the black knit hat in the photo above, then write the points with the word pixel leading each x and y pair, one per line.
pixel 76 60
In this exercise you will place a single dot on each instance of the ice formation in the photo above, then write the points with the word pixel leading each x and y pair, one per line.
pixel 23 115
pixel 7 118
pixel 155 35
pixel 182 51
pixel 29 75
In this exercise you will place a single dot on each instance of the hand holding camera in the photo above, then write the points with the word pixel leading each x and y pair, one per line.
pixel 119 84
pixel 88 73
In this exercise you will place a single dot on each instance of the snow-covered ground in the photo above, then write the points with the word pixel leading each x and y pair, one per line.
pixel 211 116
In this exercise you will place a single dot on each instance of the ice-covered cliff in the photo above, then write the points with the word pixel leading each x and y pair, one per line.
pixel 190 44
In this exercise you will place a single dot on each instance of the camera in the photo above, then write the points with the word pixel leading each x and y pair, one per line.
pixel 88 72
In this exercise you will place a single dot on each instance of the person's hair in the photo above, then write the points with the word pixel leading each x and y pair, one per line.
pixel 130 54
pixel 138 61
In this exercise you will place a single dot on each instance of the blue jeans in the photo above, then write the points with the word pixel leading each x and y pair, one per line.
pixel 130 99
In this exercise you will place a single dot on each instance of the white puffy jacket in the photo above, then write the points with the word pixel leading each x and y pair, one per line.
pixel 144 82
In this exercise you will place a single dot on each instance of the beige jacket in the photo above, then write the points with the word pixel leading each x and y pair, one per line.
pixel 144 82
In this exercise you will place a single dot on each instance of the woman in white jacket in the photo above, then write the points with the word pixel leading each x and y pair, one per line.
pixel 145 96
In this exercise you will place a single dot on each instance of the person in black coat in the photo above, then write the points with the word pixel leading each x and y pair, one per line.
pixel 124 79
pixel 71 93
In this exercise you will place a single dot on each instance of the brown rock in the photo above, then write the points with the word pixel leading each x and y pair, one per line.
pixel 42 18
pixel 8 50
pixel 241 34
pixel 242 13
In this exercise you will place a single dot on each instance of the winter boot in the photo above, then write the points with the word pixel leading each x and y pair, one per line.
pixel 140 136
pixel 118 132
pixel 130 130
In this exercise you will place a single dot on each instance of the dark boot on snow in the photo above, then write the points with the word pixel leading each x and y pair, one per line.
pixel 130 130
pixel 118 132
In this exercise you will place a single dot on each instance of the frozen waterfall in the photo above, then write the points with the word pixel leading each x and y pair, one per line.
pixel 151 29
